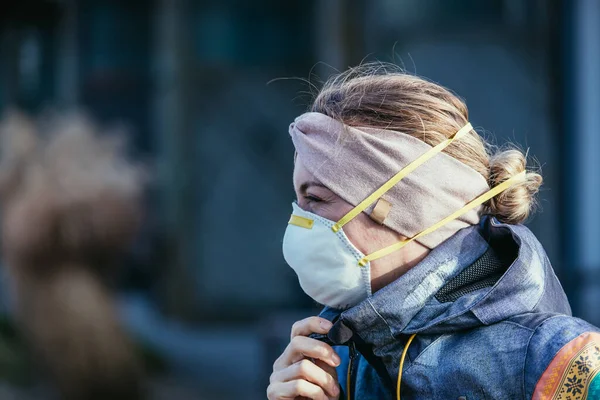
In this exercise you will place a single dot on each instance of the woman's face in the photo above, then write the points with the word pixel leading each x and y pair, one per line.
pixel 367 235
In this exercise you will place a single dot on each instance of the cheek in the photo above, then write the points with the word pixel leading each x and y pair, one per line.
pixel 332 210
pixel 367 235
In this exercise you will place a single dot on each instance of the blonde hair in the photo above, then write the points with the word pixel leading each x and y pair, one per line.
pixel 381 95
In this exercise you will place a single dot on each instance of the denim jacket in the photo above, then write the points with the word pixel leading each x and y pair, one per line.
pixel 490 321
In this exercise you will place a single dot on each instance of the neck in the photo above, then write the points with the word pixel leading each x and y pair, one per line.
pixel 410 258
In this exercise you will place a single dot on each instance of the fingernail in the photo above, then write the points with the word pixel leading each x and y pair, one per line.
pixel 325 324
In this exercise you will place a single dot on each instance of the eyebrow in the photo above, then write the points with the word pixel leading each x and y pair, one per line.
pixel 304 187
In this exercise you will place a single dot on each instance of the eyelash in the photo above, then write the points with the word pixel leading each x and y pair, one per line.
pixel 312 198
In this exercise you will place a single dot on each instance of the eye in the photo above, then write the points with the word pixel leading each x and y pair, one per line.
pixel 313 199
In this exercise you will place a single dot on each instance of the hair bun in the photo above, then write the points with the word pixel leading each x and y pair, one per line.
pixel 516 203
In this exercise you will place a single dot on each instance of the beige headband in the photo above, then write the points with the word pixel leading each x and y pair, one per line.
pixel 354 162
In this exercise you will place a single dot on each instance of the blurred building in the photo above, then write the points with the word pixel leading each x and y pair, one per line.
pixel 191 78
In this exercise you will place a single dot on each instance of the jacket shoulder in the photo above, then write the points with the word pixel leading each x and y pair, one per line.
pixel 563 359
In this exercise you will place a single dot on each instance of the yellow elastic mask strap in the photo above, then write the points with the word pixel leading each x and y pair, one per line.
pixel 399 176
pixel 471 205
pixel 401 366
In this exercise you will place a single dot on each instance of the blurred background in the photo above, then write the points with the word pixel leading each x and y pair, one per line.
pixel 206 290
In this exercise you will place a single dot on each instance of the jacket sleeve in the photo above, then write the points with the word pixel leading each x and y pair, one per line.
pixel 563 360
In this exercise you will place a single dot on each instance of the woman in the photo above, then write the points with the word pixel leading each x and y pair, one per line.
pixel 408 230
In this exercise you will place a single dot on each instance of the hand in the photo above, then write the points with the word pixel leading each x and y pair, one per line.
pixel 306 368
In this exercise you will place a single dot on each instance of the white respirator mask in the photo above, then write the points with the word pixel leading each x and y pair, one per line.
pixel 326 262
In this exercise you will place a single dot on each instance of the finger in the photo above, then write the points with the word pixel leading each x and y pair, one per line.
pixel 293 389
pixel 308 371
pixel 331 371
pixel 310 325
pixel 302 347
pixel 328 369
